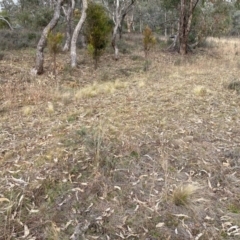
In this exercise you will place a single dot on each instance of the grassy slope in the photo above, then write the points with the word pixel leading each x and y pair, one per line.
pixel 120 153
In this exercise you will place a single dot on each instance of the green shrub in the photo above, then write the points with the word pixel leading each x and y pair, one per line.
pixel 35 19
pixel 32 35
pixel 3 23
pixel 148 40
pixel 235 85
pixel 124 47
pixel 43 17
pixel 17 39
pixel 98 28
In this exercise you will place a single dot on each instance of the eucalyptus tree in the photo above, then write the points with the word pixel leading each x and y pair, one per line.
pixel 43 40
pixel 130 20
pixel 76 34
pixel 118 10
pixel 185 10
pixel 149 13
pixel 68 10
pixel 198 18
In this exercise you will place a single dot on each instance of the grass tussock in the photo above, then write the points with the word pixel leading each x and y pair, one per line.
pixel 200 91
pixel 120 153
pixel 100 88
pixel 27 110
pixel 182 194
pixel 234 86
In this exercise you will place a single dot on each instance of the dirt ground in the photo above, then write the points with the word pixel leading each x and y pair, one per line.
pixel 133 150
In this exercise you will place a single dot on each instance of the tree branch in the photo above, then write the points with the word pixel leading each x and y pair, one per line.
pixel 2 18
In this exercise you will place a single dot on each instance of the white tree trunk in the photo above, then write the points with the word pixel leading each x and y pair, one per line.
pixel 114 41
pixel 68 14
pixel 43 40
pixel 76 33
pixel 165 25
pixel 118 10
pixel 115 30
pixel 130 20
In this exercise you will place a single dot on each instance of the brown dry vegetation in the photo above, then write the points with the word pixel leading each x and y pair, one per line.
pixel 120 153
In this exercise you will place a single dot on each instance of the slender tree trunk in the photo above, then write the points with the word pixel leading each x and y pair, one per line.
pixel 69 14
pixel 186 14
pixel 115 30
pixel 114 42
pixel 176 42
pixel 129 24
pixel 76 33
pixel 182 29
pixel 43 40
pixel 120 31
pixel 140 23
pixel 120 10
pixel 130 20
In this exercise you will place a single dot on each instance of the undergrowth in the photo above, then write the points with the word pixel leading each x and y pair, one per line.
pixel 121 153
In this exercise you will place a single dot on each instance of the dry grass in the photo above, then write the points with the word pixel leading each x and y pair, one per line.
pixel 182 194
pixel 116 153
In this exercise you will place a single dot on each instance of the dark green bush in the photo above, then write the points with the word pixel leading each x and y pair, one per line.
pixel 35 19
pixel 235 85
pixel 32 36
pixel 43 17
pixel 18 39
pixel 3 23
pixel 124 47
pixel 97 30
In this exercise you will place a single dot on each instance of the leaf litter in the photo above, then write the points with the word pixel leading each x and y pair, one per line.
pixel 106 165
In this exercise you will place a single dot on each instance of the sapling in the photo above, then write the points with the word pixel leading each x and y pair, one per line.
pixel 97 31
pixel 148 42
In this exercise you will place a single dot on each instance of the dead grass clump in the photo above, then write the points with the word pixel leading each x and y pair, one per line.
pixel 52 231
pixel 100 88
pixel 27 110
pixel 208 43
pixel 65 97
pixel 50 107
pixel 182 194
pixel 234 86
pixel 200 91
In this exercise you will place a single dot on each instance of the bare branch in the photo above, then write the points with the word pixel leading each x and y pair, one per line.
pixel 4 19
